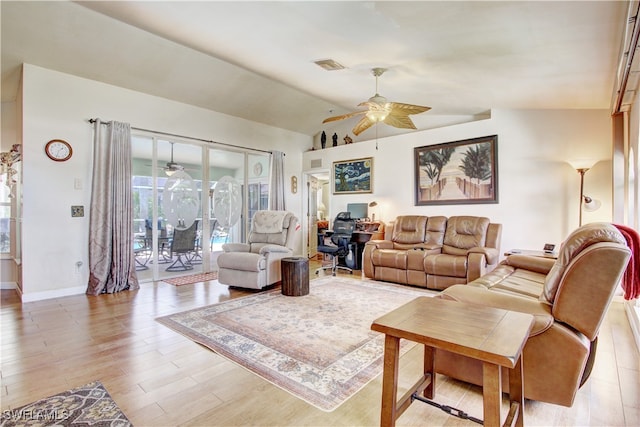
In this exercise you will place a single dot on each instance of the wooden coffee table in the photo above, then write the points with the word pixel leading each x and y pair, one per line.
pixel 494 336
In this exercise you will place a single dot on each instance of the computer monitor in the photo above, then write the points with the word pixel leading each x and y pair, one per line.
pixel 358 210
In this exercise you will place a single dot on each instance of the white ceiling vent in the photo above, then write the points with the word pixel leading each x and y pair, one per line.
pixel 329 65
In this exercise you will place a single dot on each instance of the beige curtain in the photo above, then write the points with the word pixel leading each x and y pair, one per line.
pixel 276 186
pixel 111 258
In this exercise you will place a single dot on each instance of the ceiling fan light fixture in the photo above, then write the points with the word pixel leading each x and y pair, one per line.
pixel 377 115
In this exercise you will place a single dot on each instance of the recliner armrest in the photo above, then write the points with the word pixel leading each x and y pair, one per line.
pixel 491 254
pixel 236 247
pixel 274 248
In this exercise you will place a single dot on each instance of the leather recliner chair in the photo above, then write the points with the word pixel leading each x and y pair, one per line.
pixel 568 297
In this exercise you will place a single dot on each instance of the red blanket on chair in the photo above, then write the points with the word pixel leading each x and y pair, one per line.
pixel 631 278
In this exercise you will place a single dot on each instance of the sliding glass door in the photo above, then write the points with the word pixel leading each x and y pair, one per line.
pixel 169 181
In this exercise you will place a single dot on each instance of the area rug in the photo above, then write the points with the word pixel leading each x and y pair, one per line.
pixel 193 278
pixel 318 347
pixel 89 405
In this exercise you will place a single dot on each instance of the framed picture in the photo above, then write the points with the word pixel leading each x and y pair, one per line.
pixel 458 172
pixel 353 176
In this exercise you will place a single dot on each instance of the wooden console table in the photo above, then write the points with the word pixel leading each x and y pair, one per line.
pixel 494 336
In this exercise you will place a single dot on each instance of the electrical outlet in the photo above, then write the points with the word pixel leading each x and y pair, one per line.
pixel 77 211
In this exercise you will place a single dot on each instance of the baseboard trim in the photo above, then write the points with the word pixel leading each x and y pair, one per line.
pixel 38 296
pixel 633 314
pixel 8 285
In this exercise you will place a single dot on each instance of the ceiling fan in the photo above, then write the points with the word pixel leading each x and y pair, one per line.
pixel 172 167
pixel 379 109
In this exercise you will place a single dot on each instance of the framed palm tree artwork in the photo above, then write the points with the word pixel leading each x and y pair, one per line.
pixel 457 172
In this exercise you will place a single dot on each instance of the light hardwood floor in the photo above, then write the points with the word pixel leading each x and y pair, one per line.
pixel 160 378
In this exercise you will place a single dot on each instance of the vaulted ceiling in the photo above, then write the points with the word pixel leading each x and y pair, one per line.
pixel 256 59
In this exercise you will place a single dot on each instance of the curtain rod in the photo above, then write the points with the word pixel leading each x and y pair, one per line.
pixel 190 137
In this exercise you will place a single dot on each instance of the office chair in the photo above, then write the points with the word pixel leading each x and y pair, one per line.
pixel 339 242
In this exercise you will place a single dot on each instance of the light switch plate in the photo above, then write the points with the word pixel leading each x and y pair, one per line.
pixel 77 211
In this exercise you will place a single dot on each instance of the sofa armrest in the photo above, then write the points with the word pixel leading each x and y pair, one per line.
pixel 236 247
pixel 491 254
pixel 379 244
pixel 481 296
pixel 532 263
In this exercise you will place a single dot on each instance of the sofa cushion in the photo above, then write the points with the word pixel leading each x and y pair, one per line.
pixel 463 233
pixel 392 258
pixel 409 230
pixel 446 265
pixel 515 281
pixel 477 295
pixel 580 239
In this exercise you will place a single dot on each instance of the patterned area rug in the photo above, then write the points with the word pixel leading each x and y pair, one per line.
pixel 318 347
pixel 89 405
pixel 193 278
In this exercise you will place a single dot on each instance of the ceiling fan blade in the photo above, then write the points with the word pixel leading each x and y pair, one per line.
pixel 399 121
pixel 344 116
pixel 407 109
pixel 362 125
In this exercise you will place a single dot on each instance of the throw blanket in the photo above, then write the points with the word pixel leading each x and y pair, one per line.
pixel 631 278
pixel 268 221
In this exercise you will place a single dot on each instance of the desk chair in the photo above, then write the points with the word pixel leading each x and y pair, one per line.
pixel 338 244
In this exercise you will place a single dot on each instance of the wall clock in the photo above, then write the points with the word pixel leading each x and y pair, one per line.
pixel 58 150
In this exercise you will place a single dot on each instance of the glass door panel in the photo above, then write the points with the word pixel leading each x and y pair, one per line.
pixel 179 189
pixel 226 171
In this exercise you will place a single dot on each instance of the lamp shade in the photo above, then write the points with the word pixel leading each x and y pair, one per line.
pixel 582 163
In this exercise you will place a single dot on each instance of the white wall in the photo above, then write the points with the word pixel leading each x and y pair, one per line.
pixel 57 106
pixel 538 190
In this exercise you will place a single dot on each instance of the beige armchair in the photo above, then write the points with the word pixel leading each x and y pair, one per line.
pixel 256 264
pixel 568 297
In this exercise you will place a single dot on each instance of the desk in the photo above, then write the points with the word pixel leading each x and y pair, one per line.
pixel 358 240
pixel 494 336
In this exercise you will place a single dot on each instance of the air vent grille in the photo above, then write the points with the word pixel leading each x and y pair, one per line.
pixel 316 163
pixel 329 65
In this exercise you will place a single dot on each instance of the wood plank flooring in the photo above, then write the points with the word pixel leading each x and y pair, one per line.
pixel 160 378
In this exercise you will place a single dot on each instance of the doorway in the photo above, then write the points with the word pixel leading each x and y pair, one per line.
pixel 317 208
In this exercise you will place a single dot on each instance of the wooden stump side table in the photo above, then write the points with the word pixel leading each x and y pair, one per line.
pixel 295 276
pixel 494 336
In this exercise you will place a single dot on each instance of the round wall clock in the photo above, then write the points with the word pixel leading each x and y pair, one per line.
pixel 58 150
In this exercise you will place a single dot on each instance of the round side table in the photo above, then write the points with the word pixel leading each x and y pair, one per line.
pixel 295 276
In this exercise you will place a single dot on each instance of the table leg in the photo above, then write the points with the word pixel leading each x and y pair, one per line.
pixel 430 367
pixel 390 381
pixel 516 390
pixel 491 393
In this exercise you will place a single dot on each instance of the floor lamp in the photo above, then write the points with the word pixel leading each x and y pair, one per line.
pixel 587 203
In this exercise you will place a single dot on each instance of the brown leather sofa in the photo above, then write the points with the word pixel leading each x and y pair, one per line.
pixel 568 297
pixel 433 252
